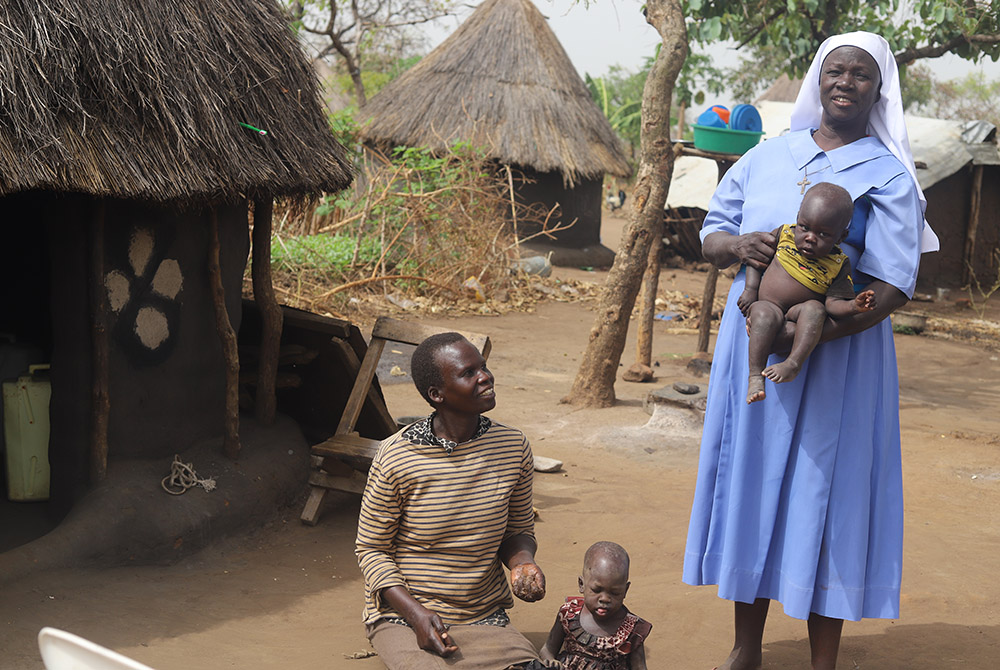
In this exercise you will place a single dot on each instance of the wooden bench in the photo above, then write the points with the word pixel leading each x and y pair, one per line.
pixel 341 462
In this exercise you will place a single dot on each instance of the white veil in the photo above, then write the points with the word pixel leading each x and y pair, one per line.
pixel 886 121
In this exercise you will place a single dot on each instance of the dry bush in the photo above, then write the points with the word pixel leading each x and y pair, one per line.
pixel 418 229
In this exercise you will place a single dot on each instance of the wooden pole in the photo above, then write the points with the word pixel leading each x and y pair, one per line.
pixel 647 306
pixel 513 210
pixel 708 297
pixel 705 318
pixel 969 253
pixel 270 312
pixel 231 437
pixel 100 398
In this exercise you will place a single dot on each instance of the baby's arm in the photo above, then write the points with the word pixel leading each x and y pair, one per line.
pixel 637 658
pixel 749 295
pixel 840 299
pixel 865 301
pixel 752 285
pixel 839 308
pixel 554 644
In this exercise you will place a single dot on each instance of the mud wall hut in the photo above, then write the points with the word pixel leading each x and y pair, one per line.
pixel 961 181
pixel 503 82
pixel 134 136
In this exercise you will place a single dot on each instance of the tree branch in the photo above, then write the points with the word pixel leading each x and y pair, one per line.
pixel 829 22
pixel 355 28
pixel 934 50
pixel 411 22
pixel 757 31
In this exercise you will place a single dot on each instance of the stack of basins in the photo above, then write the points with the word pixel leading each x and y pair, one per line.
pixel 729 132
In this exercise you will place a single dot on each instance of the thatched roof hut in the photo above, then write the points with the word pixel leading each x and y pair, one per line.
pixel 145 99
pixel 130 153
pixel 503 82
pixel 783 89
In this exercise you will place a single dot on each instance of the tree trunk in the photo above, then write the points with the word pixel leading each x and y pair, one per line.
pixel 359 84
pixel 351 60
pixel 595 380
pixel 270 312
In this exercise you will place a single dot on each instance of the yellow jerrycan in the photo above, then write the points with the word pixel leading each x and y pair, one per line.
pixel 26 432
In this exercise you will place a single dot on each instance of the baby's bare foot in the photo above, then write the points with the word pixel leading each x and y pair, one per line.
pixel 785 371
pixel 755 388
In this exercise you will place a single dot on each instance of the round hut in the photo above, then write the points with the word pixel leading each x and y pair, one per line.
pixel 136 138
pixel 503 82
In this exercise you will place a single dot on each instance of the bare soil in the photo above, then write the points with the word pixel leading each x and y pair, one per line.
pixel 289 596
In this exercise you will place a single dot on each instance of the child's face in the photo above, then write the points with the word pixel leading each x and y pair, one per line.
pixel 816 233
pixel 603 586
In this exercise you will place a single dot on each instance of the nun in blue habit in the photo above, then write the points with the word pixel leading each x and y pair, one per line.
pixel 799 496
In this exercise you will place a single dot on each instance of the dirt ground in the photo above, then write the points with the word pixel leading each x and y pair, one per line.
pixel 289 596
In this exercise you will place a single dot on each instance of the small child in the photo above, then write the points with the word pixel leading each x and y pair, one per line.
pixel 810 281
pixel 597 632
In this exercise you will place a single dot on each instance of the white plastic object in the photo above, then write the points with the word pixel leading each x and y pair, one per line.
pixel 65 651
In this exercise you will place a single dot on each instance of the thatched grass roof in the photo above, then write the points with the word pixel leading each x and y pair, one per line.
pixel 783 89
pixel 144 99
pixel 501 81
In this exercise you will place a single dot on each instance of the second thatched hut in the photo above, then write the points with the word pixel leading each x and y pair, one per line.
pixel 503 82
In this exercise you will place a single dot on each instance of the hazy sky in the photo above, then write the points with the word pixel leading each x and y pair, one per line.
pixel 611 32
pixel 608 32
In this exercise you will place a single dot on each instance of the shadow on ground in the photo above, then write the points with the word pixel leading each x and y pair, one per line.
pixel 940 644
pixel 944 645
pixel 130 519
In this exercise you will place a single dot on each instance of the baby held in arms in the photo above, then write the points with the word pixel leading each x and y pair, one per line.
pixel 810 280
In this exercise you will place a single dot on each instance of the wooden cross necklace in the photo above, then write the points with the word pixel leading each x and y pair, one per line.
pixel 805 180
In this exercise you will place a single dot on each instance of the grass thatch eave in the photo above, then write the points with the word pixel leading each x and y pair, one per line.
pixel 782 89
pixel 144 99
pixel 502 82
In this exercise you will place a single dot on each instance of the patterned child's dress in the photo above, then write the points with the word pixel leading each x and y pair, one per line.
pixel 583 651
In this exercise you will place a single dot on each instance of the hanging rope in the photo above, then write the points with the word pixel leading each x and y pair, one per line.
pixel 183 477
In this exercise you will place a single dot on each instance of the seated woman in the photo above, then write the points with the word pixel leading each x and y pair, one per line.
pixel 448 501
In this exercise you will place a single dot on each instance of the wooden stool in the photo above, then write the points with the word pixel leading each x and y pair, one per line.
pixel 342 462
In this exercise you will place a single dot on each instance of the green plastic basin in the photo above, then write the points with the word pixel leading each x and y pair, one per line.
pixel 725 140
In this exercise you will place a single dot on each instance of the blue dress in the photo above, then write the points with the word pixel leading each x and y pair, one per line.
pixel 799 497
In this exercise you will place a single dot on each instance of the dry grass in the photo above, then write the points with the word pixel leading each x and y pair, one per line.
pixel 419 233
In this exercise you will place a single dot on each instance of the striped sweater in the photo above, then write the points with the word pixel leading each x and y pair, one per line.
pixel 433 522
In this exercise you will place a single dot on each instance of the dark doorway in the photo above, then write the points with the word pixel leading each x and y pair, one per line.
pixel 25 336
